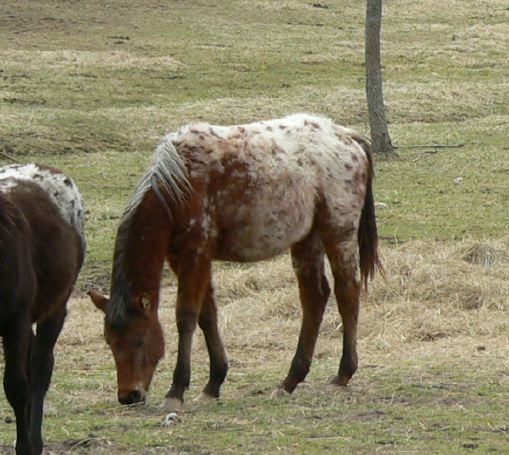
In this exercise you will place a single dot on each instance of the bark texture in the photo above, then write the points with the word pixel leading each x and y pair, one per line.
pixel 380 139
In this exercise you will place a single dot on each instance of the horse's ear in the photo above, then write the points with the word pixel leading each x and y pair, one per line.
pixel 100 301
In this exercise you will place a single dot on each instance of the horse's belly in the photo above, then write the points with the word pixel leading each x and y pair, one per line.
pixel 265 229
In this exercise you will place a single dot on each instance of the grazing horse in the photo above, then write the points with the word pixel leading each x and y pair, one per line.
pixel 240 193
pixel 42 246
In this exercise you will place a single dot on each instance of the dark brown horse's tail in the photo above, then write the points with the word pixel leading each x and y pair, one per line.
pixel 367 235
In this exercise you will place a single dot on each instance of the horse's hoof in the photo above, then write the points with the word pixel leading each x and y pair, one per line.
pixel 332 388
pixel 339 381
pixel 204 396
pixel 172 405
pixel 279 392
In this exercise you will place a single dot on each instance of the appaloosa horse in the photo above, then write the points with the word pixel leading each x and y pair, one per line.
pixel 240 193
pixel 42 245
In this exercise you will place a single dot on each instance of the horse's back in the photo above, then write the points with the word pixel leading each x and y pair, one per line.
pixel 41 218
pixel 262 184
pixel 61 190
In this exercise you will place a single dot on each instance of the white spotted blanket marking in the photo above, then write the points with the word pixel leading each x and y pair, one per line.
pixel 61 189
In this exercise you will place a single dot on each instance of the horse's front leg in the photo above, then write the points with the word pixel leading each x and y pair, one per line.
pixel 193 273
pixel 41 369
pixel 16 385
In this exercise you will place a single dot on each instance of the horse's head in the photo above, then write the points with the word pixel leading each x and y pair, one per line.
pixel 137 347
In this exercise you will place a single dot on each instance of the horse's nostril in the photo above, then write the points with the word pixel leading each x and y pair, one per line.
pixel 134 396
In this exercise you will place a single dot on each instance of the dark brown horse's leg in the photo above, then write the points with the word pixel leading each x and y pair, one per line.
pixel 343 259
pixel 193 281
pixel 308 263
pixel 41 369
pixel 16 385
pixel 218 361
pixel 31 342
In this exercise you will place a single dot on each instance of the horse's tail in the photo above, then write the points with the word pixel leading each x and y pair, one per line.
pixel 367 235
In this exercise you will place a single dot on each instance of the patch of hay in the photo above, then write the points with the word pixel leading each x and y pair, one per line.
pixel 431 292
pixel 431 295
pixel 481 253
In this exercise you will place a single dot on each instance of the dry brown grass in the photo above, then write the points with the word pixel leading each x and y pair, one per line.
pixel 436 290
pixel 84 60
pixel 433 291
pixel 430 332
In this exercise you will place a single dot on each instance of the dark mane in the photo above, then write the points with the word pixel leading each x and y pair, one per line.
pixel 117 315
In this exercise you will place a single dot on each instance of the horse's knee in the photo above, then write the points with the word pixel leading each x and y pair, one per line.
pixel 16 387
pixel 326 290
pixel 186 320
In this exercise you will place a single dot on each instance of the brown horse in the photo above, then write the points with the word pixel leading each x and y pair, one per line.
pixel 240 193
pixel 42 245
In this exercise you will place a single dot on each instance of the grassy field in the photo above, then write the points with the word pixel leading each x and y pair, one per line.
pixel 90 87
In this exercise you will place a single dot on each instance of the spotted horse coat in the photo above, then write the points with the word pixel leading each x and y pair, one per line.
pixel 61 189
pixel 240 193
pixel 260 184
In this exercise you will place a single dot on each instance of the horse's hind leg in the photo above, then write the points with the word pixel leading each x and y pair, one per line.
pixel 16 383
pixel 314 291
pixel 41 369
pixel 341 250
pixel 218 361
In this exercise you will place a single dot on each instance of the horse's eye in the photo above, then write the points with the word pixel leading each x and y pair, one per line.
pixel 139 343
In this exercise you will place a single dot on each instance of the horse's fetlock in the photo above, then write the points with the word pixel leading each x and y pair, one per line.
pixel 172 404
pixel 347 369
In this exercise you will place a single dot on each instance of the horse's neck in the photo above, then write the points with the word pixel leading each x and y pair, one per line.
pixel 141 247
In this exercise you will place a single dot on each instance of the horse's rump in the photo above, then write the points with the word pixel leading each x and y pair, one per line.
pixel 42 243
pixel 17 274
pixel 59 188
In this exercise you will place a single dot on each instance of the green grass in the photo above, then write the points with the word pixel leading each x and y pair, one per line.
pixel 90 88
pixel 388 409
pixel 93 88
pixel 426 201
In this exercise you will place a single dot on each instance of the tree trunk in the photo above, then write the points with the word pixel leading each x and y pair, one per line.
pixel 380 139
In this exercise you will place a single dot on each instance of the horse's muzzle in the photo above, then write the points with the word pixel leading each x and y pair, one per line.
pixel 132 397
